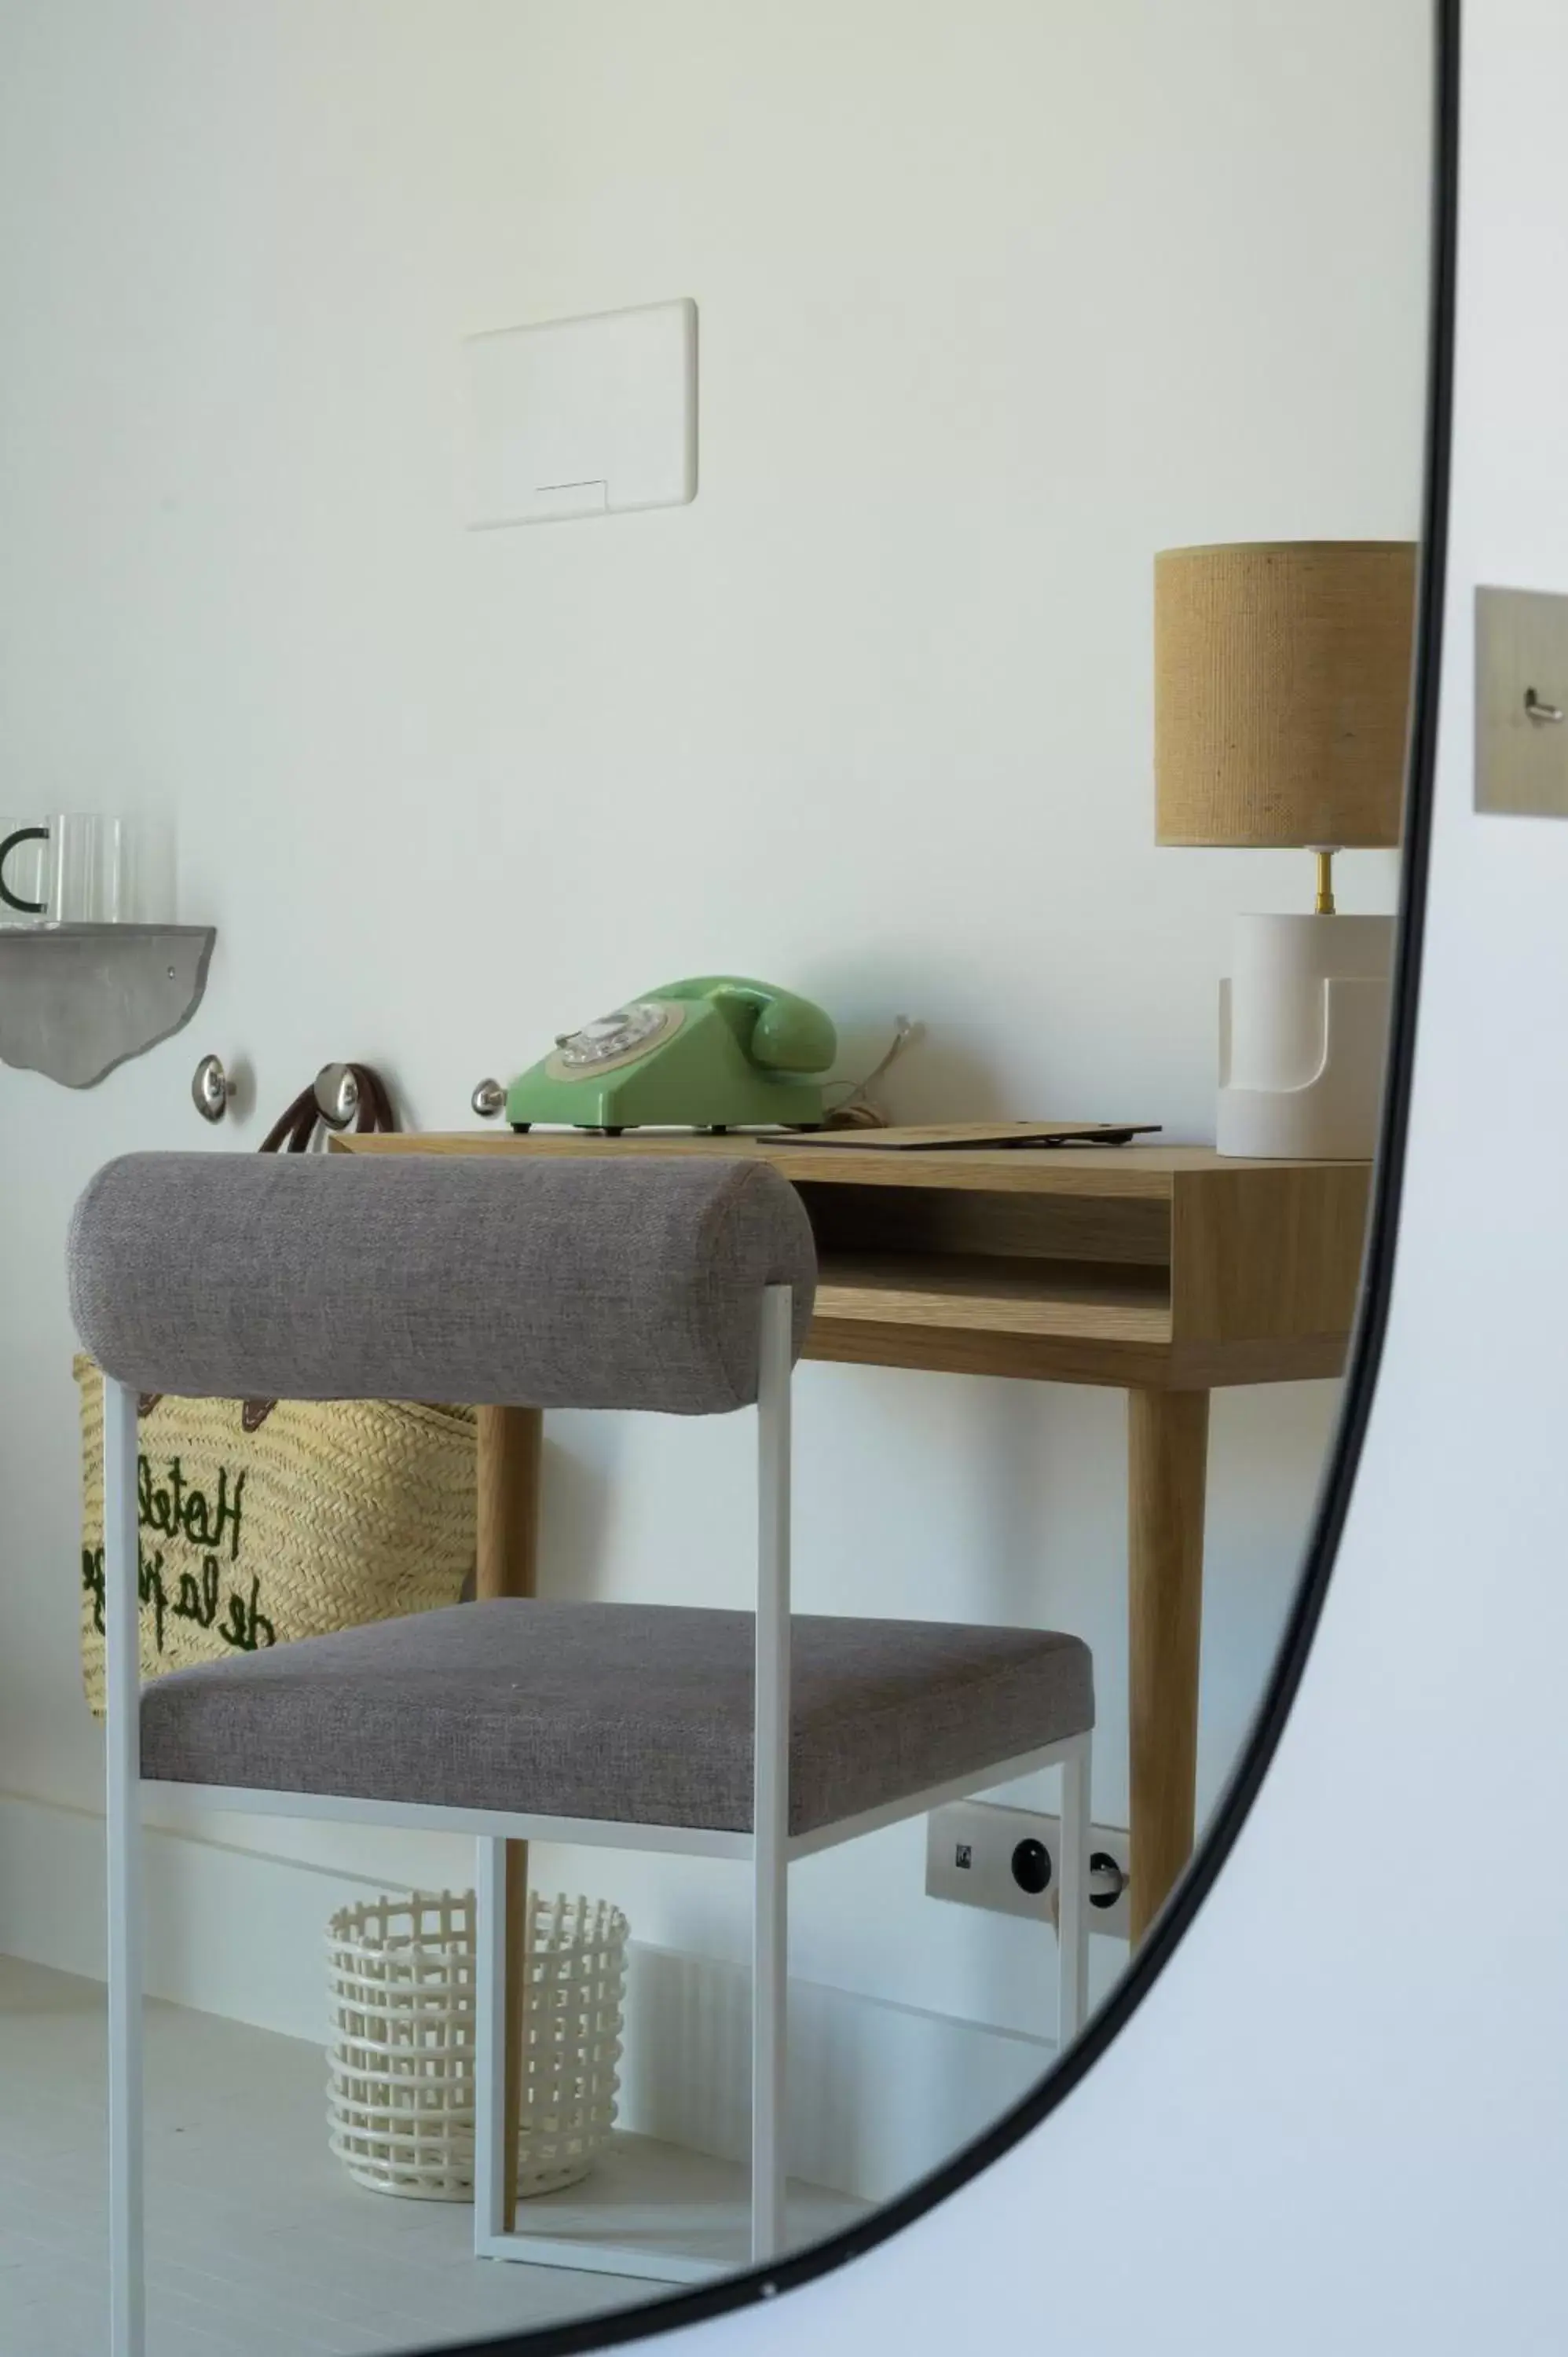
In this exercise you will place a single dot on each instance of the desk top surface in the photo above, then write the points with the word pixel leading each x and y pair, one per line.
pixel 1149 1170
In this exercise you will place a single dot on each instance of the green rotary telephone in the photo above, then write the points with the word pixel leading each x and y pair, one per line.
pixel 713 1053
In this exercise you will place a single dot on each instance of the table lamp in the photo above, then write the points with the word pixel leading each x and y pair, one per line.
pixel 1282 686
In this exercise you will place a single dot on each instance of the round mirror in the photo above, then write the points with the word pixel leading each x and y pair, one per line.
pixel 924 505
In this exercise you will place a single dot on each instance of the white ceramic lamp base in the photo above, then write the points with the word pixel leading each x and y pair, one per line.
pixel 1303 1021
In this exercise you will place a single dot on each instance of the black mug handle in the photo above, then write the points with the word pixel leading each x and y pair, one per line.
pixel 23 834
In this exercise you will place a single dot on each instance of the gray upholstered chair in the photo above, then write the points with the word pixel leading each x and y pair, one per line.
pixel 676 1285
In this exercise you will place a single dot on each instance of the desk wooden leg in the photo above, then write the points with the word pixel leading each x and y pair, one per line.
pixel 1168 1470
pixel 507 1550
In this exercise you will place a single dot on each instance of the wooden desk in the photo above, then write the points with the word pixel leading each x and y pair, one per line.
pixel 1162 1270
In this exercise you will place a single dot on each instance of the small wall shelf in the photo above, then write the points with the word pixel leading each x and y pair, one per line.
pixel 77 1000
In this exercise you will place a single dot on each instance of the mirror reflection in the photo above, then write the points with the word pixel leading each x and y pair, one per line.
pixel 672 1575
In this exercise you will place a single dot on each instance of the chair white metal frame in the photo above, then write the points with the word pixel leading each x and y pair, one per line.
pixel 769 1846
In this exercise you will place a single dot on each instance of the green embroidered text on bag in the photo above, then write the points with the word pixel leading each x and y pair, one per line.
pixel 262 1522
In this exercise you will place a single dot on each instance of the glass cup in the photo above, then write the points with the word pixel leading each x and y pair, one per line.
pixel 83 868
pixel 135 870
pixel 24 871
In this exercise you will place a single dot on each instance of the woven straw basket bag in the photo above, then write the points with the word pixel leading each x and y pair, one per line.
pixel 265 1521
pixel 256 1530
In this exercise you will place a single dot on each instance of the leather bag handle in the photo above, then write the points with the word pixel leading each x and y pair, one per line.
pixel 295 1130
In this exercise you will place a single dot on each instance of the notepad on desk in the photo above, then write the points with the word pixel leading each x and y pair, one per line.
pixel 944 1135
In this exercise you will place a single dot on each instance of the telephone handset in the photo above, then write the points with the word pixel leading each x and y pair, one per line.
pixel 715 1051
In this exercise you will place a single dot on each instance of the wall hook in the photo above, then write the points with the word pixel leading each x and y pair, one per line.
pixel 337 1094
pixel 211 1090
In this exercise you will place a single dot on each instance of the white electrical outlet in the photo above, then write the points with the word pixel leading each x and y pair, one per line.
pixel 1010 1860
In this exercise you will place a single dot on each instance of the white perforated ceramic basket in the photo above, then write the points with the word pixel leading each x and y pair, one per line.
pixel 400 2093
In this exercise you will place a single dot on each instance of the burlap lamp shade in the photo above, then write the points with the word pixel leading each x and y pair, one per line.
pixel 1282 682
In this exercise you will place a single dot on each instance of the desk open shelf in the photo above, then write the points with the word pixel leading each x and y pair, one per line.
pixel 971 1293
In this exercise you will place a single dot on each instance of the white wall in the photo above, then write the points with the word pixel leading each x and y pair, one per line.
pixel 995 299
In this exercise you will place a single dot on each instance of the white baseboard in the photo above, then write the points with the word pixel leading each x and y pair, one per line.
pixel 229 1930
pixel 878 2094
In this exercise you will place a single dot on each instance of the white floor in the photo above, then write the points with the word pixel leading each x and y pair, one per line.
pixel 259 2245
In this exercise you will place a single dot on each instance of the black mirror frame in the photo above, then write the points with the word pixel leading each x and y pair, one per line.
pixel 678 2309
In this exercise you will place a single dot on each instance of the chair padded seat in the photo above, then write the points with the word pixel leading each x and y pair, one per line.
pixel 635 1714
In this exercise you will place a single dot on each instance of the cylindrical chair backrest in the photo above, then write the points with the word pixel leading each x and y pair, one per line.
pixel 583 1281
